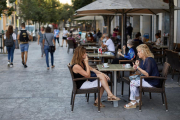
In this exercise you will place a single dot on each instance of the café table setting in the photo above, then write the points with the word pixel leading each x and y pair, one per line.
pixel 114 68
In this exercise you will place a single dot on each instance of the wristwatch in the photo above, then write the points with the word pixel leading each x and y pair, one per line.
pixel 137 67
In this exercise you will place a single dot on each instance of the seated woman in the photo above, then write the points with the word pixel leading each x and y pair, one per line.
pixel 148 67
pixel 129 56
pixel 158 39
pixel 81 69
pixel 137 39
pixel 90 37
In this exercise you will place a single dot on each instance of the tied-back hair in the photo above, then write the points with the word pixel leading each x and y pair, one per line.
pixel 9 31
pixel 145 50
pixel 77 57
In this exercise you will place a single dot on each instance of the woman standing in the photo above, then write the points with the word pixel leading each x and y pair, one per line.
pixel 65 33
pixel 48 40
pixel 10 36
pixel 147 67
pixel 40 40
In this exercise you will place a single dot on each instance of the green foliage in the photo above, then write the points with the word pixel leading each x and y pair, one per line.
pixel 39 10
pixel 65 12
pixel 80 3
pixel 4 9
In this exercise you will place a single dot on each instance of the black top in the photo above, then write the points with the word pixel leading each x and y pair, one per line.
pixel 151 68
pixel 77 75
pixel 129 30
pixel 140 42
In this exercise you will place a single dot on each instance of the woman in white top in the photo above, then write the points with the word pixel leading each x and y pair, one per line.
pixel 65 33
pixel 158 41
pixel 10 36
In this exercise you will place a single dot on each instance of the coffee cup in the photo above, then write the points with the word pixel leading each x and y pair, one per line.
pixel 105 64
pixel 127 65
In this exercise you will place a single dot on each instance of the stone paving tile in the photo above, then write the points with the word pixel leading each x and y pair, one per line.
pixel 36 93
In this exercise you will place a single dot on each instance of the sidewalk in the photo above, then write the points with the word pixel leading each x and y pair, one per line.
pixel 35 93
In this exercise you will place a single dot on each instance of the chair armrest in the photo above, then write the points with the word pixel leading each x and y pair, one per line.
pixel 78 79
pixel 150 77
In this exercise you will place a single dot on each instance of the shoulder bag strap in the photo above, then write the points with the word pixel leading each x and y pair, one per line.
pixel 46 39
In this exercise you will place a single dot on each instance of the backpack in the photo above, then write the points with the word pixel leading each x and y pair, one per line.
pixel 24 36
pixel 9 41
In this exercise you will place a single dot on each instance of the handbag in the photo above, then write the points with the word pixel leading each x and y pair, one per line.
pixel 51 48
pixel 135 77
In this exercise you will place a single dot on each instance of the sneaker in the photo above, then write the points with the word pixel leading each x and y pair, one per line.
pixel 25 66
pixel 11 65
pixel 8 64
pixel 22 62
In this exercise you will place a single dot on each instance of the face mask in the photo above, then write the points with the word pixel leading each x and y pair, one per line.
pixel 88 35
pixel 128 47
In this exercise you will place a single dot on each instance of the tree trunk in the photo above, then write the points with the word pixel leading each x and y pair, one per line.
pixel 171 33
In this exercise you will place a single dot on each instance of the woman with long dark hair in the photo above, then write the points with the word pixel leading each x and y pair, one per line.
pixel 10 36
pixel 81 69
pixel 48 40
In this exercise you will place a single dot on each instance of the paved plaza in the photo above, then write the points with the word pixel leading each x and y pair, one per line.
pixel 35 93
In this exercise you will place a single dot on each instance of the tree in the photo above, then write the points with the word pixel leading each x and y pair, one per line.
pixel 171 34
pixel 4 9
pixel 42 11
pixel 66 12
pixel 80 3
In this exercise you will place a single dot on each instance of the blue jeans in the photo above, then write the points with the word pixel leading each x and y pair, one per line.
pixel 11 53
pixel 46 50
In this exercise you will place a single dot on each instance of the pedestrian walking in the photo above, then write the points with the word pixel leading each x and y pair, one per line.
pixel 65 33
pixel 56 35
pixel 48 41
pixel 10 39
pixel 40 40
pixel 23 37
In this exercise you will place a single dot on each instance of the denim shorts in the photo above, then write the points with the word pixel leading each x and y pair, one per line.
pixel 24 47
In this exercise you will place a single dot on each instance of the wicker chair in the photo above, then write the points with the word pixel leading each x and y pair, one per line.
pixel 176 63
pixel 83 91
pixel 154 89
pixel 70 45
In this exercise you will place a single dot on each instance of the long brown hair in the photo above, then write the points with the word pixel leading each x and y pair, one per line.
pixel 77 57
pixel 9 31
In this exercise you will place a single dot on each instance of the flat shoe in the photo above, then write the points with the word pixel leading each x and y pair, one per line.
pixel 101 106
pixel 47 68
pixel 52 66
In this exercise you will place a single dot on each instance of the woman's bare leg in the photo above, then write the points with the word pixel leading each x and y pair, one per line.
pixel 62 42
pixel 104 83
pixel 101 93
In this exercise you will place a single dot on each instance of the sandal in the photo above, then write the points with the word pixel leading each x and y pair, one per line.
pixel 132 105
pixel 101 105
pixel 113 98
pixel 137 103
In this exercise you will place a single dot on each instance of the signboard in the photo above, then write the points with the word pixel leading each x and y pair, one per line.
pixel 105 29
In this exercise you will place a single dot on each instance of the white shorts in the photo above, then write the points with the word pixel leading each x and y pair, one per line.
pixel 88 84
